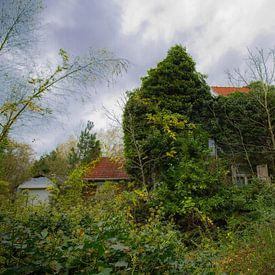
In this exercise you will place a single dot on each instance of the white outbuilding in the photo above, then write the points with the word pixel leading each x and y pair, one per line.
pixel 37 189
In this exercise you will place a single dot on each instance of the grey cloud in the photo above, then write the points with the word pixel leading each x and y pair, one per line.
pixel 264 40
pixel 217 72
pixel 94 23
pixel 235 59
pixel 99 24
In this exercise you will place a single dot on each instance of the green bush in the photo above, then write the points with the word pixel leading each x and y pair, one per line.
pixel 252 252
pixel 90 236
pixel 100 235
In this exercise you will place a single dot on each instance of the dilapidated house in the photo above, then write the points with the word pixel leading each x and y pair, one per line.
pixel 240 172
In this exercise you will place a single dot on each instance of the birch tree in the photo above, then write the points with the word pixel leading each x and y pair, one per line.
pixel 23 91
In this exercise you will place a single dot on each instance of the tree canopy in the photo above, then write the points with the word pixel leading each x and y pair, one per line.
pixel 87 147
pixel 173 97
pixel 240 126
pixel 15 162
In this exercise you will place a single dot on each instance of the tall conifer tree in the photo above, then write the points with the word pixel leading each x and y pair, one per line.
pixel 172 98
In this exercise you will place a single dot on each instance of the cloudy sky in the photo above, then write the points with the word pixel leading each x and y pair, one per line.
pixel 216 33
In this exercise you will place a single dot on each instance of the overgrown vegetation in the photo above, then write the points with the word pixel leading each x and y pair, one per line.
pixel 180 214
pixel 67 156
pixel 241 128
pixel 160 115
pixel 182 217
pixel 102 234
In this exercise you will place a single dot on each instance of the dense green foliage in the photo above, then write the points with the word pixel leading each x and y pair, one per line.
pixel 51 165
pixel 56 163
pixel 180 215
pixel 175 85
pixel 100 234
pixel 240 126
pixel 188 192
pixel 85 237
pixel 61 161
pixel 15 163
pixel 159 115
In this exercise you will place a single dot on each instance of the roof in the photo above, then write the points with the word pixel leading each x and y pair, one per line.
pixel 36 183
pixel 225 91
pixel 107 169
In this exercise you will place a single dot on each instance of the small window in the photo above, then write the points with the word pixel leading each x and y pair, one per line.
pixel 241 179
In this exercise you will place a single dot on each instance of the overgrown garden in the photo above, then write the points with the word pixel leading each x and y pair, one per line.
pixel 180 213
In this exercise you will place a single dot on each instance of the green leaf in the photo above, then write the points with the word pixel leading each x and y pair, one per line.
pixel 121 264
pixel 44 233
pixel 105 271
pixel 120 247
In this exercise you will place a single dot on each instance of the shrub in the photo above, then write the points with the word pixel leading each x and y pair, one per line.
pixel 85 237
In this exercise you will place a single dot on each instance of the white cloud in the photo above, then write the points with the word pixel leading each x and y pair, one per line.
pixel 216 33
pixel 212 27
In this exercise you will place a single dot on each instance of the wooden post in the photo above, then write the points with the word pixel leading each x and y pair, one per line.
pixel 262 172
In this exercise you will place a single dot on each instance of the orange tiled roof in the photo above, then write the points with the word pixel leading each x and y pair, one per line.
pixel 225 91
pixel 107 169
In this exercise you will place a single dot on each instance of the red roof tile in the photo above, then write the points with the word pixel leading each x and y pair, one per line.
pixel 225 91
pixel 106 169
